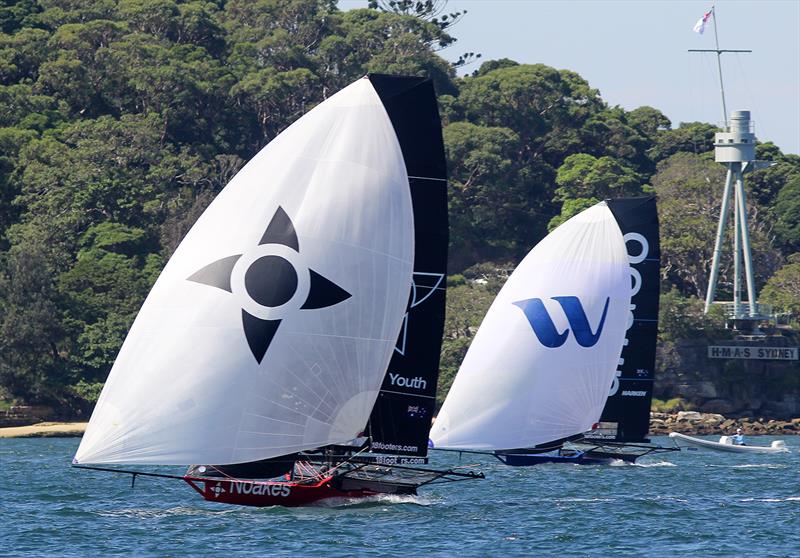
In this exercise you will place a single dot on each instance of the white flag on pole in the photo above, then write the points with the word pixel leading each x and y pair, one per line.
pixel 700 26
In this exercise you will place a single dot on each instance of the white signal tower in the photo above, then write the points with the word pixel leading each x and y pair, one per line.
pixel 735 147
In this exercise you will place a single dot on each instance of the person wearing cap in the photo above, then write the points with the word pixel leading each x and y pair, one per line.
pixel 738 438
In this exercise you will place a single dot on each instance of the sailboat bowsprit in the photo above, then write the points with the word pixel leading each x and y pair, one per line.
pixel 264 344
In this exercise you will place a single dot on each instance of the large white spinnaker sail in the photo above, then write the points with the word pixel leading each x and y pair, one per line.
pixel 540 366
pixel 270 329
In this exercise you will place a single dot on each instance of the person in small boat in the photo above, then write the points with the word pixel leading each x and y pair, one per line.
pixel 738 438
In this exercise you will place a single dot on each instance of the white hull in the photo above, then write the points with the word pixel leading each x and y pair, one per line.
pixel 777 446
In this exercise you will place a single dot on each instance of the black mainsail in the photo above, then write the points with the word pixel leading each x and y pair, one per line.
pixel 401 419
pixel 626 416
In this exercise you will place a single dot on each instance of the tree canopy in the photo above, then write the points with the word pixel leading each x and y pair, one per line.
pixel 121 121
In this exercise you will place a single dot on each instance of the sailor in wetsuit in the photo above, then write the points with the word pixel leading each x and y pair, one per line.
pixel 738 439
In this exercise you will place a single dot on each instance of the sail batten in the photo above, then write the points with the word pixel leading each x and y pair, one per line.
pixel 270 329
pixel 540 365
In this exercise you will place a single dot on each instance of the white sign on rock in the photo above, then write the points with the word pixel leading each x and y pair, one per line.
pixel 753 353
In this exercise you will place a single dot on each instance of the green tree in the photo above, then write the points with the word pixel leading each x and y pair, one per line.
pixel 787 213
pixel 682 317
pixel 765 184
pixel 585 176
pixel 544 108
pixel 609 133
pixel 158 18
pixel 15 15
pixel 688 137
pixel 648 121
pixel 467 304
pixel 583 180
pixel 21 54
pixel 570 208
pixel 782 290
pixel 689 190
pixel 488 205
pixel 31 335
pixel 102 293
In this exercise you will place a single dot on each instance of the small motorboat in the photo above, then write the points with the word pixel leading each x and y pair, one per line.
pixel 726 444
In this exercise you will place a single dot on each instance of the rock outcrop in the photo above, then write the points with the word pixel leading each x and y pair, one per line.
pixel 731 387
pixel 695 423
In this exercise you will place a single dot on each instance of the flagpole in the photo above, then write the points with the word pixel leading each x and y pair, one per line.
pixel 719 67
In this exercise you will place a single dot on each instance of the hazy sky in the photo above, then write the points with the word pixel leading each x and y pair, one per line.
pixel 635 53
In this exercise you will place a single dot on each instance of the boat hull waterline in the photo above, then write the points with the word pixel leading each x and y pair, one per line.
pixel 576 458
pixel 777 447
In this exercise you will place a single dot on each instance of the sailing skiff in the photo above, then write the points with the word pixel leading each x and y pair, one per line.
pixel 579 314
pixel 259 359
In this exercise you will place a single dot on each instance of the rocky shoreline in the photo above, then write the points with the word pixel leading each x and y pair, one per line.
pixel 695 423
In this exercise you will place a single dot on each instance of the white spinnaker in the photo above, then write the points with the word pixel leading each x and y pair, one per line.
pixel 512 391
pixel 186 388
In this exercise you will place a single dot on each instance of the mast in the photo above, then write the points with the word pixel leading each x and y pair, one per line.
pixel 719 67
pixel 718 51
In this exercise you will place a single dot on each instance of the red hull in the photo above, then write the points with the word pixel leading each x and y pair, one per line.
pixel 269 493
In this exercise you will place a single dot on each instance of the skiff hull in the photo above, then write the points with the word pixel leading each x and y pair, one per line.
pixel 576 458
pixel 731 448
pixel 277 493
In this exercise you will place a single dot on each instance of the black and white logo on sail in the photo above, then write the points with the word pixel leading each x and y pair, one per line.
pixel 423 286
pixel 270 281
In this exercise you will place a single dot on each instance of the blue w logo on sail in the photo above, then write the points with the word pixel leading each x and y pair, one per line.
pixel 545 329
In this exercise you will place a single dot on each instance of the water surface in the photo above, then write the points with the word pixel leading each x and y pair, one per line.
pixel 692 503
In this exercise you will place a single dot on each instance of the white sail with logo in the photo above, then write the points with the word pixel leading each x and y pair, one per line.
pixel 270 329
pixel 540 366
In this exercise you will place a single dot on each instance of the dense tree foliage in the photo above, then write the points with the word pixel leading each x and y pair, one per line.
pixel 689 189
pixel 783 289
pixel 120 121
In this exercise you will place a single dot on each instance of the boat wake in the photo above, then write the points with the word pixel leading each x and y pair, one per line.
pixel 583 500
pixel 621 463
pixel 772 500
pixel 156 513
pixel 760 466
pixel 655 464
pixel 377 500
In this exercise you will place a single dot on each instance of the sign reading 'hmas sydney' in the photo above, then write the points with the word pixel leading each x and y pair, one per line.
pixel 753 353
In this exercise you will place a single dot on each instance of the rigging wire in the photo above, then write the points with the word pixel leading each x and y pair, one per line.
pixel 692 87
pixel 750 97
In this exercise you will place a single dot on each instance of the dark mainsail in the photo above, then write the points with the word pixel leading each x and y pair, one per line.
pixel 401 419
pixel 626 416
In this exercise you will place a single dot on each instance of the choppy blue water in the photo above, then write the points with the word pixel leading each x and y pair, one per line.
pixel 686 504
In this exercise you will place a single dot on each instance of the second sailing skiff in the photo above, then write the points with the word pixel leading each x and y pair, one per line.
pixel 574 318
